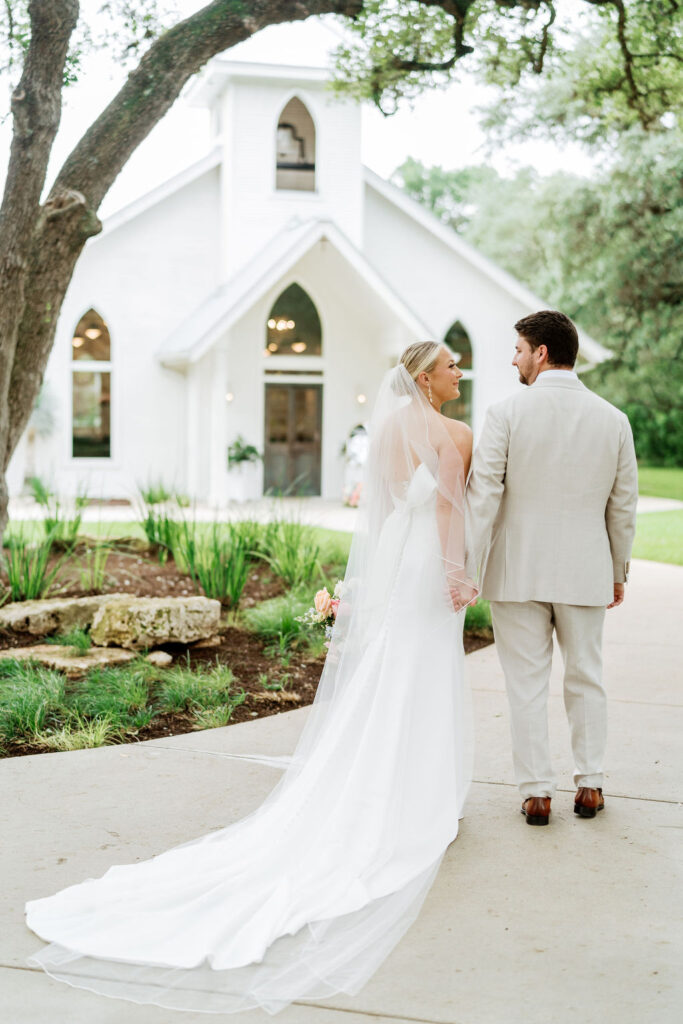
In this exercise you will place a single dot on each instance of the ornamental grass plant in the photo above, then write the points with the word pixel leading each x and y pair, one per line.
pixel 293 553
pixel 25 563
pixel 183 688
pixel 31 697
pixel 110 704
pixel 77 639
pixel 217 561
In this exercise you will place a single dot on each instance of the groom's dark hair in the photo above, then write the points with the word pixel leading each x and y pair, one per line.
pixel 554 330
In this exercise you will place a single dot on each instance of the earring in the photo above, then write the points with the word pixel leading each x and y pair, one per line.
pixel 429 392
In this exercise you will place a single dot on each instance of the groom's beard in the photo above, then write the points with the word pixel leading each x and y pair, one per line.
pixel 522 378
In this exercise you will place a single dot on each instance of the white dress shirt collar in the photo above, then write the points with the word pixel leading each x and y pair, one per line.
pixel 560 374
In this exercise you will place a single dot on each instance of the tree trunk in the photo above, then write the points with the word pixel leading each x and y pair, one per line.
pixel 36 109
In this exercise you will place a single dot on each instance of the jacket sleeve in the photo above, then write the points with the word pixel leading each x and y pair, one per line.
pixel 485 489
pixel 620 511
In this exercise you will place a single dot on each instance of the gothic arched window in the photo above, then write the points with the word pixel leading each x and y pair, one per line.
pixel 458 341
pixel 91 388
pixel 295 148
pixel 293 327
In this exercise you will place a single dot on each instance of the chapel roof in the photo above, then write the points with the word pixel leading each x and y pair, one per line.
pixel 223 307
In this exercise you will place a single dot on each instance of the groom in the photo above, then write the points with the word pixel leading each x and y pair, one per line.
pixel 552 498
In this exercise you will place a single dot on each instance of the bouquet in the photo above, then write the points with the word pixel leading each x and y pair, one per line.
pixel 324 611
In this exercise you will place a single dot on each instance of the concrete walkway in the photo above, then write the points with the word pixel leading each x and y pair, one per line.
pixel 577 923
pixel 317 511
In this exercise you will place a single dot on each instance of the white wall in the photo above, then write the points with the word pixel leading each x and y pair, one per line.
pixel 143 277
pixel 253 209
pixel 441 287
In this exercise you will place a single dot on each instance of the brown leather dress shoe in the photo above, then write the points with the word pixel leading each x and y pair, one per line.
pixel 536 809
pixel 588 802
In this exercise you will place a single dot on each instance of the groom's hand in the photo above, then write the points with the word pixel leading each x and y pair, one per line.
pixel 618 595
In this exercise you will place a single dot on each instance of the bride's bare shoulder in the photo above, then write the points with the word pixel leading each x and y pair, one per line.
pixel 459 430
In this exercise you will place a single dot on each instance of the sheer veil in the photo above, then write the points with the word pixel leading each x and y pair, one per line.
pixel 306 896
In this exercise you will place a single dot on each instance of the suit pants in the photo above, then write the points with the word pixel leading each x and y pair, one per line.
pixel 524 641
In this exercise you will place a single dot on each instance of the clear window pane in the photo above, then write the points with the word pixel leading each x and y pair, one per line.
pixel 91 338
pixel 293 326
pixel 91 415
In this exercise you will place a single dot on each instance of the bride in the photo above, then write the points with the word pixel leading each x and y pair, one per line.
pixel 305 897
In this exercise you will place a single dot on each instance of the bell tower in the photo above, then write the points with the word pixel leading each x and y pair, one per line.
pixel 290 147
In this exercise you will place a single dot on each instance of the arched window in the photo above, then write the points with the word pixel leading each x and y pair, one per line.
pixel 91 388
pixel 293 327
pixel 295 168
pixel 458 340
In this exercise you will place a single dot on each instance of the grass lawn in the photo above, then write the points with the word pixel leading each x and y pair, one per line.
pixel 330 541
pixel 661 481
pixel 659 537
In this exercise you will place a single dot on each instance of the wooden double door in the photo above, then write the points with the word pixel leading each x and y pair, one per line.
pixel 293 432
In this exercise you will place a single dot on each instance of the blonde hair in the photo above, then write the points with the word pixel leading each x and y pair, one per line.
pixel 421 357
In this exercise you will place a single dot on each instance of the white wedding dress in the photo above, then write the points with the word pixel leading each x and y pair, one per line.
pixel 306 896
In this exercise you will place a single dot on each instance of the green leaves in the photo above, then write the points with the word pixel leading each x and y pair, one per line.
pixel 608 252
pixel 594 69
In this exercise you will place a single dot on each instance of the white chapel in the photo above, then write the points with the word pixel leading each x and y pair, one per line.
pixel 261 293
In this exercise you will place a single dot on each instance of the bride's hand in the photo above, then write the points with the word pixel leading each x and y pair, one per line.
pixel 457 600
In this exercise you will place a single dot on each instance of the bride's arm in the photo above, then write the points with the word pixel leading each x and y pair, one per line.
pixel 454 459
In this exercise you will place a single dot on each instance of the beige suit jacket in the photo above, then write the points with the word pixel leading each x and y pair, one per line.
pixel 551 499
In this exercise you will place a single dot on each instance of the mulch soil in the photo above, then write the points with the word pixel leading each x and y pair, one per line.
pixel 141 574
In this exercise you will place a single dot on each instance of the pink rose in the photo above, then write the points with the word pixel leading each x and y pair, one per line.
pixel 335 605
pixel 323 602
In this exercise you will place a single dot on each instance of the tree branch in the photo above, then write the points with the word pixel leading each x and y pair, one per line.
pixel 634 97
pixel 152 88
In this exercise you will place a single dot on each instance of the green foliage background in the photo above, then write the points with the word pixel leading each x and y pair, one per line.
pixel 606 251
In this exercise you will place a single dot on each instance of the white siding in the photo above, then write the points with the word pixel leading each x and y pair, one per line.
pixel 441 287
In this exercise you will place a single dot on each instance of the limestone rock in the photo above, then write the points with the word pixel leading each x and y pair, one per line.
pixel 54 614
pixel 162 659
pixel 136 622
pixel 69 660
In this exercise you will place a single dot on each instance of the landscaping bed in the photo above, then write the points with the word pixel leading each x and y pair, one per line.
pixel 262 660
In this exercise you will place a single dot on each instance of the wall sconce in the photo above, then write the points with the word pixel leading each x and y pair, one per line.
pixel 229 396
pixel 361 398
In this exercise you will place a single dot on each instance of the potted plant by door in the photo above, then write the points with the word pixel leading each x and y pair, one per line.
pixel 243 475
